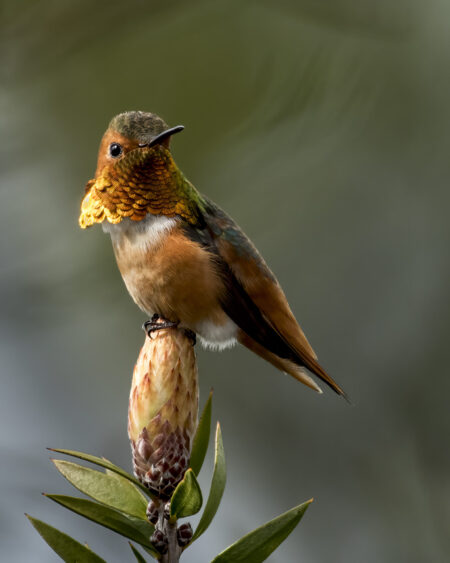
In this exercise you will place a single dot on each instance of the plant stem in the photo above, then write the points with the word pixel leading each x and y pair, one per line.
pixel 174 551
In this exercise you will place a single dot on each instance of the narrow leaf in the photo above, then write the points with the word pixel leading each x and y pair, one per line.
pixel 138 556
pixel 102 462
pixel 66 547
pixel 259 544
pixel 201 438
pixel 187 497
pixel 152 552
pixel 132 528
pixel 112 490
pixel 217 486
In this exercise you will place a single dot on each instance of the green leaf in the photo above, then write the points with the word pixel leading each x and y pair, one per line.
pixel 138 556
pixel 110 489
pixel 132 528
pixel 66 547
pixel 187 497
pixel 201 438
pixel 217 487
pixel 102 462
pixel 152 552
pixel 259 544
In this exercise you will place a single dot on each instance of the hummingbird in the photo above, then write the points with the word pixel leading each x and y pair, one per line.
pixel 184 261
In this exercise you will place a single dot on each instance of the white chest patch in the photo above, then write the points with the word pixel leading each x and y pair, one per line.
pixel 141 235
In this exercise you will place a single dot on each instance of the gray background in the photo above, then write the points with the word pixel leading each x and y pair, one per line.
pixel 322 128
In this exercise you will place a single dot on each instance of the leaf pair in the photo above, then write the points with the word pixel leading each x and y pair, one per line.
pixel 108 488
pixel 120 506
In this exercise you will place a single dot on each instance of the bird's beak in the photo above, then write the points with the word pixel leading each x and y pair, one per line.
pixel 164 135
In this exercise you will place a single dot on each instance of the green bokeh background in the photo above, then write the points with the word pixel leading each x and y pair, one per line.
pixel 323 129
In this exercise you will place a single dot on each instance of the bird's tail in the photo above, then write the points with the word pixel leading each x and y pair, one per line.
pixel 297 370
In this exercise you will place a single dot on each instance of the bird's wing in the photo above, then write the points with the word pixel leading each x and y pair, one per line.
pixel 253 298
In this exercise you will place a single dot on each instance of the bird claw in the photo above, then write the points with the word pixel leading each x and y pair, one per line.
pixel 158 323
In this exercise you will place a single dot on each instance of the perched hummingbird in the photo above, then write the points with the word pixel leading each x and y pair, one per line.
pixel 182 258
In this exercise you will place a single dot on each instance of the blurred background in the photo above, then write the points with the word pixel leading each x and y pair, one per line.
pixel 323 129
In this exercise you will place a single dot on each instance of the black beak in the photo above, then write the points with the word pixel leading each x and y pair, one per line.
pixel 164 135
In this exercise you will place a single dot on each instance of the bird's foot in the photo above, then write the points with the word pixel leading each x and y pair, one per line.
pixel 157 323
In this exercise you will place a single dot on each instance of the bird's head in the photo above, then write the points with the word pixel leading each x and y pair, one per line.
pixel 135 171
pixel 132 131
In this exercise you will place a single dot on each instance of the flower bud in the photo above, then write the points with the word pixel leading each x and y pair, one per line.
pixel 184 534
pixel 162 414
pixel 159 541
pixel 152 512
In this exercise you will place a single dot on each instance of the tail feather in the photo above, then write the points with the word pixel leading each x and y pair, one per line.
pixel 294 369
pixel 314 366
pixel 300 375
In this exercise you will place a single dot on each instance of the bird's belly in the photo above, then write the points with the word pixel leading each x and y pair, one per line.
pixel 177 279
pixel 154 292
pixel 139 284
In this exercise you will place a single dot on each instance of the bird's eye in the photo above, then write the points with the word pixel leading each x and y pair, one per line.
pixel 115 150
